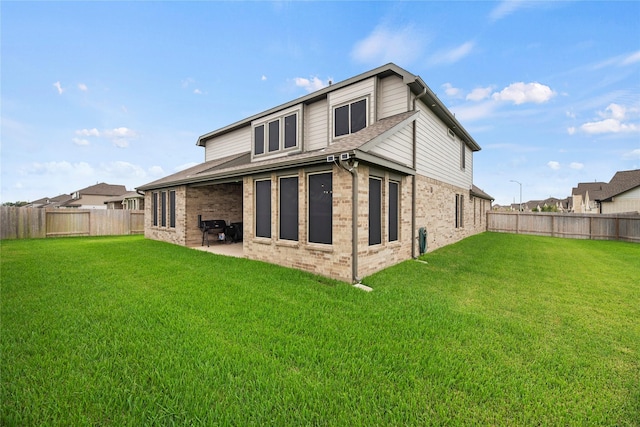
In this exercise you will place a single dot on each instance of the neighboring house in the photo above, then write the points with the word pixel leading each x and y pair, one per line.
pixel 584 196
pixel 560 205
pixel 337 182
pixel 50 202
pixel 131 200
pixel 93 197
pixel 622 194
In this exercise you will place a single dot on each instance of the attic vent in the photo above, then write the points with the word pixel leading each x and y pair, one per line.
pixel 451 133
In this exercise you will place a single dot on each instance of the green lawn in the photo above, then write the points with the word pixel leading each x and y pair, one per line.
pixel 495 330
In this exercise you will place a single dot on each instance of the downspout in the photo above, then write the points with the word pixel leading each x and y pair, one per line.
pixel 414 164
pixel 353 170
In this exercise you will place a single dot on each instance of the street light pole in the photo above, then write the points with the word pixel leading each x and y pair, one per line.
pixel 520 184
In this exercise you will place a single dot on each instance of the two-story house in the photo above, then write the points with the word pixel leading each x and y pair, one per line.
pixel 338 182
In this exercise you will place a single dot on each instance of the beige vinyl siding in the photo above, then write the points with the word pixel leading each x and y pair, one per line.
pixel 356 91
pixel 438 155
pixel 398 147
pixel 236 142
pixel 394 97
pixel 315 125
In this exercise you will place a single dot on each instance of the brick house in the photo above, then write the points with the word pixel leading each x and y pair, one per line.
pixel 338 182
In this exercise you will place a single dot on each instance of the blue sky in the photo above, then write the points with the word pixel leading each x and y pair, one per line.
pixel 119 92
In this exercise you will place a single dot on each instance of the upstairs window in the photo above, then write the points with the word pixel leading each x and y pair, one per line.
pixel 275 135
pixel 350 118
pixel 463 155
pixel 258 140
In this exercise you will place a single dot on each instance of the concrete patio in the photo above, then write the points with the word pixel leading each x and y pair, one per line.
pixel 218 248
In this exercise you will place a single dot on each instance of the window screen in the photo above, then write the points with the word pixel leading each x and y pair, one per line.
pixel 263 208
pixel 375 211
pixel 274 135
pixel 154 208
pixel 289 208
pixel 393 211
pixel 172 209
pixel 320 208
pixel 358 115
pixel 341 121
pixel 290 131
pixel 258 140
pixel 163 209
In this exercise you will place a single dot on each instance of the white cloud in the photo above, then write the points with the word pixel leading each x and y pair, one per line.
pixel 479 93
pixel 451 91
pixel 197 91
pixel 553 165
pixel 58 86
pixel 186 82
pixel 571 130
pixel 608 126
pixel 570 114
pixel 631 59
pixel 80 141
pixel 83 87
pixel 156 171
pixel 612 121
pixel 120 136
pixel 123 170
pixel 310 85
pixel 453 55
pixel 520 93
pixel 633 154
pixel 576 165
pixel 505 8
pixel 399 45
pixel 88 132
pixel 120 132
pixel 263 78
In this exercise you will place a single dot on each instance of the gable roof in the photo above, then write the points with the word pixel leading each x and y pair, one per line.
pixel 415 83
pixel 477 192
pixel 122 197
pixel 621 182
pixel 103 189
pixel 595 189
pixel 358 144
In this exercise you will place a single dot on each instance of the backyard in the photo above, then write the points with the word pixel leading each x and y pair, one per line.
pixel 498 329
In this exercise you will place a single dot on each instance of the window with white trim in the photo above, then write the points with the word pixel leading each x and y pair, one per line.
pixel 350 118
pixel 276 134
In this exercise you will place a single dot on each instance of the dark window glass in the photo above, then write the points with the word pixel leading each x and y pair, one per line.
pixel 341 120
pixel 463 155
pixel 263 208
pixel 289 208
pixel 154 208
pixel 375 211
pixel 258 140
pixel 172 209
pixel 290 131
pixel 393 211
pixel 358 115
pixel 461 210
pixel 274 135
pixel 163 209
pixel 320 208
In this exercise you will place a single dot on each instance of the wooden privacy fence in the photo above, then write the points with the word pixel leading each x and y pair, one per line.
pixel 576 226
pixel 24 223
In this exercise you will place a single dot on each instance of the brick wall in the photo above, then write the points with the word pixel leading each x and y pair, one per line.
pixel 220 201
pixel 435 210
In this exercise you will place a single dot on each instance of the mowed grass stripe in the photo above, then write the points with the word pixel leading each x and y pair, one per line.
pixel 497 329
